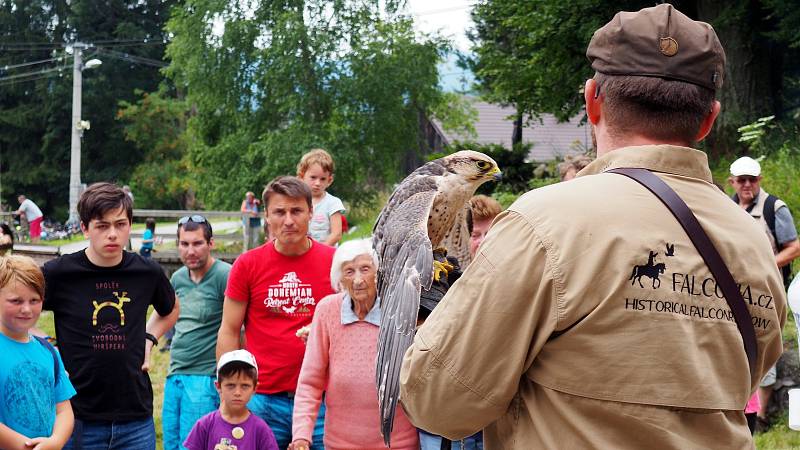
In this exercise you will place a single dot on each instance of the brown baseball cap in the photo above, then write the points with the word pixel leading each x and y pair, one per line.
pixel 659 42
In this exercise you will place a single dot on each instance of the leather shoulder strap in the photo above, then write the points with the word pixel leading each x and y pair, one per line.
pixel 706 248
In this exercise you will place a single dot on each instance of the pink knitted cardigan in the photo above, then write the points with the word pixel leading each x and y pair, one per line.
pixel 340 360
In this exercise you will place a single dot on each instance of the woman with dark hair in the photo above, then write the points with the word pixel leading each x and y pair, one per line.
pixel 6 238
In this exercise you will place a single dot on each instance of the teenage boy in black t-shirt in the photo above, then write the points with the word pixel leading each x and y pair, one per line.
pixel 100 298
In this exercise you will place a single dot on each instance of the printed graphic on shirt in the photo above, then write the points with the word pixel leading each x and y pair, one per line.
pixel 31 393
pixel 290 296
pixel 225 444
pixel 108 318
pixel 649 270
pixel 671 297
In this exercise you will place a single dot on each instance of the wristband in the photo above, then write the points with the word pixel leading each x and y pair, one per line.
pixel 151 338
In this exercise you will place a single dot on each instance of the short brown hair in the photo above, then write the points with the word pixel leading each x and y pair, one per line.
pixel 577 162
pixel 315 156
pixel 21 269
pixel 655 107
pixel 484 208
pixel 291 187
pixel 100 198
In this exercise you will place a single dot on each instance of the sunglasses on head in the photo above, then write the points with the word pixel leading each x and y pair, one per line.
pixel 196 218
pixel 745 178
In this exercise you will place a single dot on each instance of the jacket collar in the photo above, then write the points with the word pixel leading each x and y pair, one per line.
pixel 671 159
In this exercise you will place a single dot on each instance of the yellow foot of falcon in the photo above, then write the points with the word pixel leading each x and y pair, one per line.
pixel 441 268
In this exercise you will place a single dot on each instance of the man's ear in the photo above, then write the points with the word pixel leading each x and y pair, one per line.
pixel 593 99
pixel 84 229
pixel 708 121
pixel 211 242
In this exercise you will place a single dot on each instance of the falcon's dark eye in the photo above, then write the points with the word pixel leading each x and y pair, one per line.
pixel 483 165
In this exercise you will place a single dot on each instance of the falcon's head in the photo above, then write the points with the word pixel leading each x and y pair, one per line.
pixel 473 166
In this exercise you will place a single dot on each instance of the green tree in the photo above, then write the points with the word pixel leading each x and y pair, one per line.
pixel 282 77
pixel 531 55
pixel 36 110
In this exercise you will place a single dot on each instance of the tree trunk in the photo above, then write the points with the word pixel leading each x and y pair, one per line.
pixel 516 134
pixel 753 77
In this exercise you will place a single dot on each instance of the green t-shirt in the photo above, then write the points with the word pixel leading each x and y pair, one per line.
pixel 195 341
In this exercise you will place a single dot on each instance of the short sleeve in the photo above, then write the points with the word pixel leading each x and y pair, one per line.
pixel 164 296
pixel 63 387
pixel 336 206
pixel 237 288
pixel 785 231
pixel 47 270
pixel 147 234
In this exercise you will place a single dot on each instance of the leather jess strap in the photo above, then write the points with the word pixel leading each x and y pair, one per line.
pixel 706 249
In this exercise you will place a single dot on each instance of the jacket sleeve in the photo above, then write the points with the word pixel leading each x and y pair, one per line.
pixel 313 375
pixel 464 366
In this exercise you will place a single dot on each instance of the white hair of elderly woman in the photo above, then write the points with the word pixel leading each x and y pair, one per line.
pixel 347 252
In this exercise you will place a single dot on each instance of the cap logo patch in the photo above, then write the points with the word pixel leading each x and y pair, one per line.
pixel 668 46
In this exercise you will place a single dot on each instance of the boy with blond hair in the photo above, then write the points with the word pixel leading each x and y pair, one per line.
pixel 316 170
pixel 35 411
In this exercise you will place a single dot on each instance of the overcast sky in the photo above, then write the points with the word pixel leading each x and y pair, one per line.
pixel 451 17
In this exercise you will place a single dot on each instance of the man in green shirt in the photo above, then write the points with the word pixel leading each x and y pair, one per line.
pixel 189 392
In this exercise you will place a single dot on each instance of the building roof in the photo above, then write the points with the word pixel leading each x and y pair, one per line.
pixel 550 138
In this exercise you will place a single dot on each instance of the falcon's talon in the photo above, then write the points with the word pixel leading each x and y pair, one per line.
pixel 440 268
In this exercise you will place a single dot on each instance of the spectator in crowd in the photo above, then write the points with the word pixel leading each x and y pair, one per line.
pixel 32 214
pixel 100 297
pixel 484 210
pixel 578 352
pixel 778 224
pixel 127 190
pixel 189 391
pixel 148 238
pixel 35 412
pixel 251 220
pixel 233 426
pixel 273 291
pixel 571 165
pixel 316 170
pixel 340 361
pixel 6 239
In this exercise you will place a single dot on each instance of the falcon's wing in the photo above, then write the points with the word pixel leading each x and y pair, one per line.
pixel 405 267
pixel 457 240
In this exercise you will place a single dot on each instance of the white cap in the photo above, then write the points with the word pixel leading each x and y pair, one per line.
pixel 237 355
pixel 745 166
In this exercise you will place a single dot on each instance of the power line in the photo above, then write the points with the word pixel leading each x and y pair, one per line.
pixel 132 58
pixel 23 75
pixel 32 63
pixel 31 78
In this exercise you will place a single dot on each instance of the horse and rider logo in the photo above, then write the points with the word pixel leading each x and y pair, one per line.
pixel 651 270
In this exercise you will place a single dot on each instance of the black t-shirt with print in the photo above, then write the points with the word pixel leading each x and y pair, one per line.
pixel 100 316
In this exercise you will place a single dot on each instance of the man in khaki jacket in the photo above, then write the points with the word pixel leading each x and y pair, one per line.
pixel 588 319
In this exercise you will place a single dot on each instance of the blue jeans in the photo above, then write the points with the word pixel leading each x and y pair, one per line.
pixel 187 398
pixel 429 441
pixel 276 410
pixel 119 435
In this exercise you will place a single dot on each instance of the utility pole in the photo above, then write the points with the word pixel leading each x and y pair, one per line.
pixel 77 126
pixel 77 132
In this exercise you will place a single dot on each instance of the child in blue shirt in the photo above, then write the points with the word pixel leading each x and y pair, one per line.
pixel 35 411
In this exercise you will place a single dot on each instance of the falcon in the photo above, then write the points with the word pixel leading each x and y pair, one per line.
pixel 419 214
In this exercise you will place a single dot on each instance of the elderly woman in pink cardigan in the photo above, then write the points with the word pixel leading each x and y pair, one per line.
pixel 340 361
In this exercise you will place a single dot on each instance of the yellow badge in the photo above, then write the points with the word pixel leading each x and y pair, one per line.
pixel 238 432
pixel 668 46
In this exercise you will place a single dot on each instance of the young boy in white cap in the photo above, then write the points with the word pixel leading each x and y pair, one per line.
pixel 233 426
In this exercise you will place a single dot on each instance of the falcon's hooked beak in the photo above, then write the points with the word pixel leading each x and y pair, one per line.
pixel 495 174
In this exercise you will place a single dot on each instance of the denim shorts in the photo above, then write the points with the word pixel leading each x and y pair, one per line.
pixel 113 435
pixel 276 410
pixel 187 398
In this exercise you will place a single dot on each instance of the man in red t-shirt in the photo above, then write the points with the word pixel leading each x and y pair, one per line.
pixel 273 291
